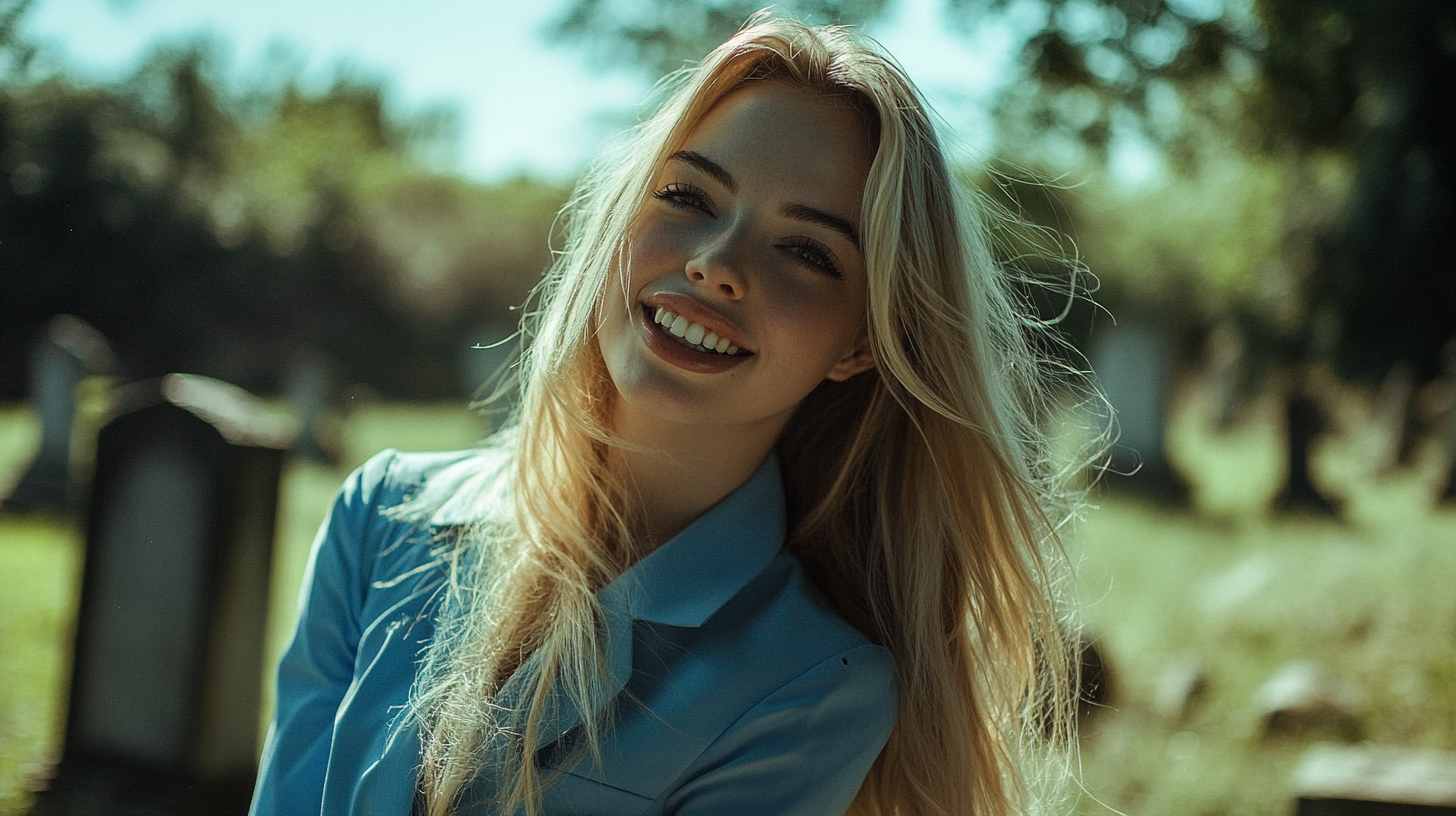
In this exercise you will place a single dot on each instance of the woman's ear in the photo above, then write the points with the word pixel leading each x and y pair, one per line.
pixel 859 359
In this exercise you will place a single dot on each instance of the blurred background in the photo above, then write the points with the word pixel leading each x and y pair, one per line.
pixel 339 207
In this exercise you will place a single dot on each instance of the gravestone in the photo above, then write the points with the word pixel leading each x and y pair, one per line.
pixel 309 386
pixel 64 353
pixel 1375 780
pixel 168 667
pixel 1134 365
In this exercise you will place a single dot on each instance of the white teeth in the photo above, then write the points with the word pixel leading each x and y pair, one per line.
pixel 695 333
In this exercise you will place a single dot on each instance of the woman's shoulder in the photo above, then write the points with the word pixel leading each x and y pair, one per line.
pixel 439 486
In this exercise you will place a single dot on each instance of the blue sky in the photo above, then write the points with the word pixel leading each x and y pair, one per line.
pixel 488 60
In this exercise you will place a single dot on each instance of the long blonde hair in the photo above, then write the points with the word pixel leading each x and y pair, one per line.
pixel 920 501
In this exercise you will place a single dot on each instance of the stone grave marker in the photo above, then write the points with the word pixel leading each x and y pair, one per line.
pixel 65 352
pixel 168 668
pixel 1375 780
pixel 1133 361
pixel 310 387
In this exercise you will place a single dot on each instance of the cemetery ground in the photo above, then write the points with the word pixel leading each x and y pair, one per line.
pixel 1193 610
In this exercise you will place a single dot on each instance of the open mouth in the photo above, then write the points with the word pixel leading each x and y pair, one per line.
pixel 692 335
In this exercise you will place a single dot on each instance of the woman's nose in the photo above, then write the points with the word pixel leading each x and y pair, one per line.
pixel 720 263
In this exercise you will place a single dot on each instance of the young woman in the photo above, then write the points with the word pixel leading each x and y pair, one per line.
pixel 764 536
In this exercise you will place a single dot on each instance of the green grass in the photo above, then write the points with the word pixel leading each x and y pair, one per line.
pixel 1233 593
pixel 40 559
pixel 1166 590
pixel 1226 588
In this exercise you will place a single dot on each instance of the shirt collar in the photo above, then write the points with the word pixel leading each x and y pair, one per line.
pixel 681 583
pixel 686 580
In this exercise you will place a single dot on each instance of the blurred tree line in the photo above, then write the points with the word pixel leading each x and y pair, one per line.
pixel 1301 235
pixel 241 232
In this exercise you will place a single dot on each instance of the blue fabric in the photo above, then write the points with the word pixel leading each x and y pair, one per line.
pixel 738 688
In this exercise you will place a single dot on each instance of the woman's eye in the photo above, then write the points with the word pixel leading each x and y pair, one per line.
pixel 684 196
pixel 814 255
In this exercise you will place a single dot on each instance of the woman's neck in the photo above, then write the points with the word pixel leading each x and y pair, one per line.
pixel 681 471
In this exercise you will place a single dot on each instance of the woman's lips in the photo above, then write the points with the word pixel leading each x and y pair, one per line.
pixel 694 312
pixel 693 334
pixel 675 350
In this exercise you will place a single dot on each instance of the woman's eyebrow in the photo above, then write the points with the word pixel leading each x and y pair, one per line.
pixel 708 166
pixel 801 212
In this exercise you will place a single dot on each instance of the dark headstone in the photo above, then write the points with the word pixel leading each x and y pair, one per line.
pixel 1134 365
pixel 310 389
pixel 165 690
pixel 65 353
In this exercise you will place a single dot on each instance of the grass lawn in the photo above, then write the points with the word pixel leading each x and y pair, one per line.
pixel 1228 594
pixel 1168 594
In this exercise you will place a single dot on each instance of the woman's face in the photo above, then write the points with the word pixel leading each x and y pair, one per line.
pixel 748 242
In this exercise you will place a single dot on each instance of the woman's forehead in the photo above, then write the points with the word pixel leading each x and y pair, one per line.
pixel 773 131
pixel 793 95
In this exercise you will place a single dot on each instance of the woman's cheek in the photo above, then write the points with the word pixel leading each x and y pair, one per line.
pixel 659 240
pixel 796 293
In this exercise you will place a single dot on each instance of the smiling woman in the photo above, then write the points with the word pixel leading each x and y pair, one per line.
pixel 766 534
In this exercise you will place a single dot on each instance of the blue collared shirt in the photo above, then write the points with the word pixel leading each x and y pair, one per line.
pixel 738 689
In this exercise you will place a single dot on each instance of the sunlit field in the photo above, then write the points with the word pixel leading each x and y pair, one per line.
pixel 1226 593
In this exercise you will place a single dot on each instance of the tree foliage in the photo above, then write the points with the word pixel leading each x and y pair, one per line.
pixel 1273 74
pixel 665 35
pixel 1319 127
pixel 228 232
